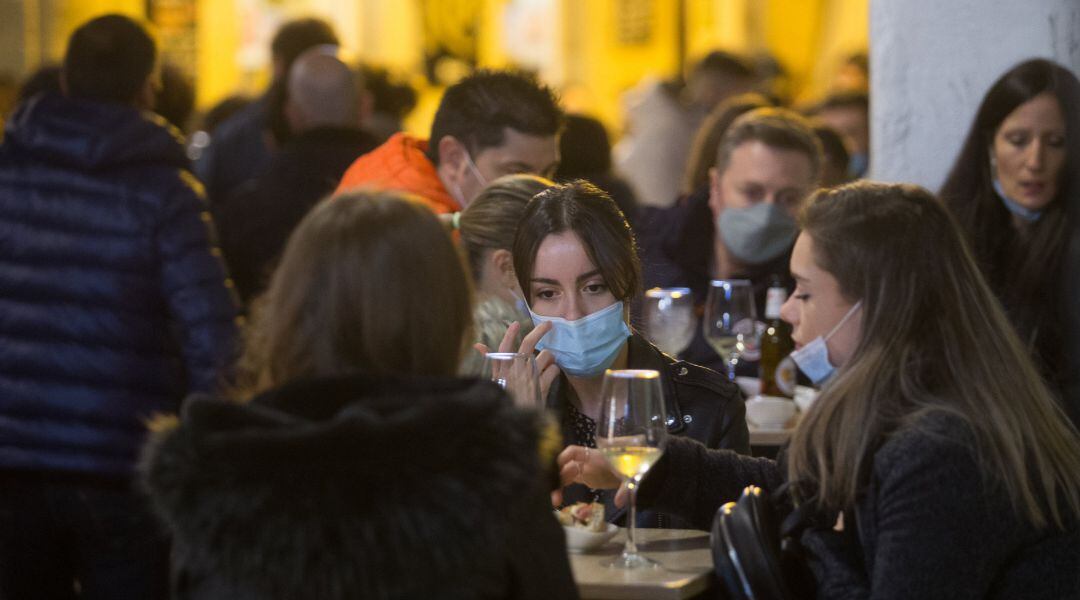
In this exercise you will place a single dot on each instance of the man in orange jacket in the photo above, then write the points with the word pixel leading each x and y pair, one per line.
pixel 490 124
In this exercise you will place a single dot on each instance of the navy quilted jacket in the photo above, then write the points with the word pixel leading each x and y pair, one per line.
pixel 113 302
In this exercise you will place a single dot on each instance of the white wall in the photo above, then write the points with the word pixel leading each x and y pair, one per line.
pixel 933 60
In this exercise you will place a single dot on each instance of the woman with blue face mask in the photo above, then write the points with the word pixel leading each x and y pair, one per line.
pixel 956 472
pixel 575 260
pixel 1015 189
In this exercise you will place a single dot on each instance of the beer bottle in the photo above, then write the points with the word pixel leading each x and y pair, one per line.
pixel 777 374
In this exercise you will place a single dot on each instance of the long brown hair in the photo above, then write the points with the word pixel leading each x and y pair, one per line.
pixel 369 282
pixel 490 221
pixel 934 339
pixel 1023 267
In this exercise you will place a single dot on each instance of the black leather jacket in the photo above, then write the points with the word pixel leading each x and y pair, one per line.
pixel 701 404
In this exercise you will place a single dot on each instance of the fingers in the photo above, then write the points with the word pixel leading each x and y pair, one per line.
pixel 556 498
pixel 578 464
pixel 571 473
pixel 621 495
pixel 507 343
pixel 528 345
pixel 572 454
pixel 544 360
pixel 549 371
pixel 481 348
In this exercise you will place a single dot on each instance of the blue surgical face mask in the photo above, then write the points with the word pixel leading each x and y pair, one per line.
pixel 813 358
pixel 757 234
pixel 1015 207
pixel 587 346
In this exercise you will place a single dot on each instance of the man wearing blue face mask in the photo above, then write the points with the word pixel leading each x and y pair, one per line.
pixel 767 163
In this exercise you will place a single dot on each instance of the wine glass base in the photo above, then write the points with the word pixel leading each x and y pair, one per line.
pixel 631 561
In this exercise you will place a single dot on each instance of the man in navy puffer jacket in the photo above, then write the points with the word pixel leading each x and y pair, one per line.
pixel 113 305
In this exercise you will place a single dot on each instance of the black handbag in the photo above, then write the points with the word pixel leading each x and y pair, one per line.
pixel 756 555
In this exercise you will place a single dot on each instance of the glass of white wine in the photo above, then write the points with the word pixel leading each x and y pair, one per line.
pixel 631 434
pixel 516 373
pixel 730 321
pixel 669 318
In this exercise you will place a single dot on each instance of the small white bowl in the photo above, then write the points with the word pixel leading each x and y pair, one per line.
pixel 579 539
pixel 804 397
pixel 769 412
pixel 750 386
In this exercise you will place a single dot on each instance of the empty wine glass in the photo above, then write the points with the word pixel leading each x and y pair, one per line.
pixel 517 374
pixel 730 323
pixel 631 434
pixel 669 318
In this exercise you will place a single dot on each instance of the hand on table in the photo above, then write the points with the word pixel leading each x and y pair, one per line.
pixel 578 464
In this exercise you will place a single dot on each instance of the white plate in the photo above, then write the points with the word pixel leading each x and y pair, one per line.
pixel 579 539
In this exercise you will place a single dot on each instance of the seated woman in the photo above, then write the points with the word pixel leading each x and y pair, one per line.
pixel 487 228
pixel 1013 189
pixel 574 258
pixel 350 463
pixel 957 473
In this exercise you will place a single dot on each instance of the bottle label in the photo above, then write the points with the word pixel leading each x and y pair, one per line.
pixel 787 374
pixel 774 299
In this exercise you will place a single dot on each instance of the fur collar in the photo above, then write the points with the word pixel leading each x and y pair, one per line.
pixel 339 488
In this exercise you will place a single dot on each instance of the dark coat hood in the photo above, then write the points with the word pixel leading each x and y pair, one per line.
pixel 88 135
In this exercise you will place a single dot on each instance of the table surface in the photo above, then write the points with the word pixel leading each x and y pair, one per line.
pixel 769 437
pixel 685 567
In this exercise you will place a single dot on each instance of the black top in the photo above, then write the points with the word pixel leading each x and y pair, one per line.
pixel 255 222
pixel 701 405
pixel 927 525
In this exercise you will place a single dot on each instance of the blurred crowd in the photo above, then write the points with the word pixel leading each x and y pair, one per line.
pixel 238 349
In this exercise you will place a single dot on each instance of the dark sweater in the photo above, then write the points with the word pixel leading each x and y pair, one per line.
pixel 927 524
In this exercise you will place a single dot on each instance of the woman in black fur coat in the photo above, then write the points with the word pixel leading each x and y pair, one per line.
pixel 349 462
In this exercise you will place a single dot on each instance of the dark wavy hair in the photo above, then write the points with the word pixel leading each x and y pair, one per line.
pixel 478 109
pixel 589 212
pixel 1024 268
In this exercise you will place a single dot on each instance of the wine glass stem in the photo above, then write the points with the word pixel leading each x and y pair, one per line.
pixel 631 543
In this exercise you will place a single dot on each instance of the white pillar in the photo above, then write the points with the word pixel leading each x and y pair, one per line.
pixel 931 62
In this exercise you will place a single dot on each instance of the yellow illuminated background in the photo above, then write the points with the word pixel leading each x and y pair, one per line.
pixel 591 50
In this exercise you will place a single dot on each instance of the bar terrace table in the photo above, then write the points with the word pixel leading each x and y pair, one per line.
pixel 686 567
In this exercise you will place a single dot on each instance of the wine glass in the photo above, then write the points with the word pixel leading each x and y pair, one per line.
pixel 730 323
pixel 669 318
pixel 516 373
pixel 631 434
